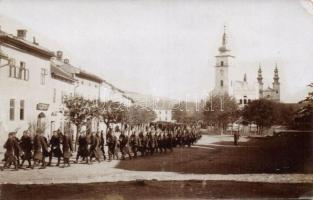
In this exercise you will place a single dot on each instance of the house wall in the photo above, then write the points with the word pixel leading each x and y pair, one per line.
pixel 33 92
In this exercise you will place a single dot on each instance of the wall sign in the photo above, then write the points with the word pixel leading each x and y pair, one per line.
pixel 42 106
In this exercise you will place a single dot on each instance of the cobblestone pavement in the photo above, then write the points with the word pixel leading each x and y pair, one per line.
pixel 106 172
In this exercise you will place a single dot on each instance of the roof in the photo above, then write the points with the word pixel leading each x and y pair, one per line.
pixel 268 89
pixel 68 68
pixel 59 72
pixel 11 40
pixel 89 76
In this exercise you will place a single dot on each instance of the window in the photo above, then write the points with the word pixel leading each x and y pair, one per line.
pixel 21 71
pixel 240 101
pixel 12 71
pixel 222 63
pixel 12 109
pixel 43 76
pixel 22 109
pixel 245 101
pixel 249 100
pixel 222 83
pixel 54 95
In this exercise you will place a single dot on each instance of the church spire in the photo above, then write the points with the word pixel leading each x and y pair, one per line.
pixel 276 77
pixel 260 78
pixel 224 36
pixel 223 48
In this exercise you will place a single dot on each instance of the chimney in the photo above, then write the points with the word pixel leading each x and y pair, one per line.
pixel 34 41
pixel 66 61
pixel 21 33
pixel 59 55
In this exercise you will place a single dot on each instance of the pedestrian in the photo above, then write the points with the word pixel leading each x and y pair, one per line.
pixel 102 144
pixel 95 147
pixel 10 155
pixel 40 147
pixel 236 137
pixel 26 145
pixel 67 149
pixel 83 150
pixel 55 148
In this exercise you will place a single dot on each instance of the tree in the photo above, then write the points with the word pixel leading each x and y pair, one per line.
pixel 304 116
pixel 139 115
pixel 261 112
pixel 78 111
pixel 221 110
pixel 112 112
pixel 187 112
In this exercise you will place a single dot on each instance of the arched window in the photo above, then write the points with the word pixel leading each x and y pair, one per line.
pixel 222 63
pixel 222 83
pixel 245 101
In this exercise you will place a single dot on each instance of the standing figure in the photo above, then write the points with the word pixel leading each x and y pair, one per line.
pixel 10 155
pixel 111 142
pixel 102 144
pixel 40 146
pixel 124 147
pixel 67 149
pixel 26 146
pixel 17 149
pixel 55 145
pixel 95 147
pixel 133 143
pixel 83 148
pixel 236 137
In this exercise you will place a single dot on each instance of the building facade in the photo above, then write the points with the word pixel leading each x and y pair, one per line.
pixel 270 93
pixel 242 91
pixel 223 62
pixel 163 115
pixel 25 80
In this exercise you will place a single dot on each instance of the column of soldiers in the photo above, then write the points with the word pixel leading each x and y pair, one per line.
pixel 128 141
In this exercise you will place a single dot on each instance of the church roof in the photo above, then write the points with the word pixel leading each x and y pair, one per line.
pixel 268 89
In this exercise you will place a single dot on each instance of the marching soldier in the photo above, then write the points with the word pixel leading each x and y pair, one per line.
pixel 94 147
pixel 10 155
pixel 40 146
pixel 102 144
pixel 133 143
pixel 26 146
pixel 55 151
pixel 83 148
pixel 67 149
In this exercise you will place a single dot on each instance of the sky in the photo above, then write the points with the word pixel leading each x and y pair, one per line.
pixel 167 47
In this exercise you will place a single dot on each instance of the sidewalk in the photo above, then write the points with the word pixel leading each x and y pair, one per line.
pixel 105 172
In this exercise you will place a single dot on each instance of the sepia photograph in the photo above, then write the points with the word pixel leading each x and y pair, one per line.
pixel 156 99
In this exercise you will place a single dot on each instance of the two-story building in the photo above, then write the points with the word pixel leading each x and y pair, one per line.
pixel 25 97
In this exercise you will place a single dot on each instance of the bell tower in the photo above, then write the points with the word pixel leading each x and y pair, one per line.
pixel 260 82
pixel 276 85
pixel 221 68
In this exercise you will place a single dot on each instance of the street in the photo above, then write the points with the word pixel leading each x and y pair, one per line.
pixel 211 161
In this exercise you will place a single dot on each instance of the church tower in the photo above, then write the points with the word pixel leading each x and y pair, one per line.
pixel 276 85
pixel 221 68
pixel 260 82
